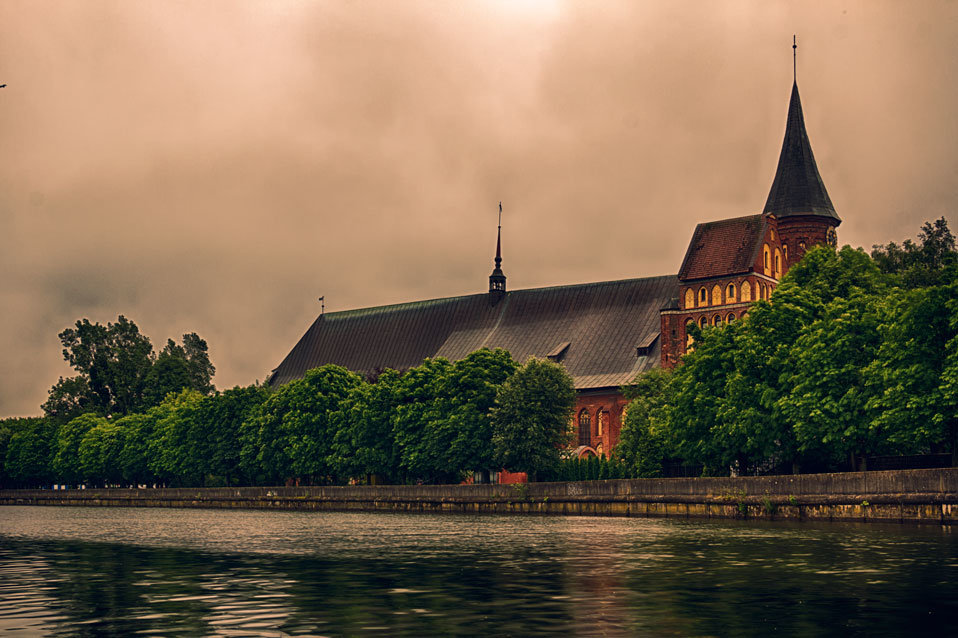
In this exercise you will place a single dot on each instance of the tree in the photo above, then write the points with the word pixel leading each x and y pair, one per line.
pixel 291 431
pixel 365 440
pixel 422 403
pixel 29 452
pixel 642 444
pixel 100 452
pixel 170 448
pixel 931 262
pixel 179 367
pixel 68 399
pixel 531 418
pixel 113 360
pixel 66 463
pixel 134 458
pixel 459 437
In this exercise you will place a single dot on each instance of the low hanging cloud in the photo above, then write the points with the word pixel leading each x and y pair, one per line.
pixel 216 167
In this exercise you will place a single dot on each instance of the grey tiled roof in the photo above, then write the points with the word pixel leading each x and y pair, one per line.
pixel 602 322
pixel 798 188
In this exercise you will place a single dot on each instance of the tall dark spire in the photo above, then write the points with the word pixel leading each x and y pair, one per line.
pixel 497 280
pixel 797 188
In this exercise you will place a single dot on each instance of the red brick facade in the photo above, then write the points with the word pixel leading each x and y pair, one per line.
pixel 716 286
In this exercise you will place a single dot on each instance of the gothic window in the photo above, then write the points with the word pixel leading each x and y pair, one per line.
pixel 746 291
pixel 703 322
pixel 602 418
pixel 689 298
pixel 767 260
pixel 688 337
pixel 730 318
pixel 717 320
pixel 785 250
pixel 703 297
pixel 716 295
pixel 730 293
pixel 778 264
pixel 585 428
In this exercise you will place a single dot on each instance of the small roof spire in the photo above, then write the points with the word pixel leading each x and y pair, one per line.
pixel 497 280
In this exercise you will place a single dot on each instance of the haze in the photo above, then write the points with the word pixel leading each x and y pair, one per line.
pixel 215 167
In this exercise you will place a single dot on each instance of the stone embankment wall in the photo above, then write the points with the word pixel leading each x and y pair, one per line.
pixel 909 496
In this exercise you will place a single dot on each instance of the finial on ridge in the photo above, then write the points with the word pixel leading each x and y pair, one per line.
pixel 794 59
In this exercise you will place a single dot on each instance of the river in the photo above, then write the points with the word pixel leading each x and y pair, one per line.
pixel 70 571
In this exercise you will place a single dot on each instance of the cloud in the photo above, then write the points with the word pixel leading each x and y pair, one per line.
pixel 216 167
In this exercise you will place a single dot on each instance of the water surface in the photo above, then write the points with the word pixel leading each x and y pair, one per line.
pixel 72 571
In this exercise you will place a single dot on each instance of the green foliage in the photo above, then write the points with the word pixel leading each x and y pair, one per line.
pixel 29 452
pixel 291 433
pixel 118 372
pixel 642 442
pixel 66 465
pixel 931 262
pixel 365 440
pixel 531 418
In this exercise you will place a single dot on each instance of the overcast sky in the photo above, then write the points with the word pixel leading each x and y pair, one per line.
pixel 217 166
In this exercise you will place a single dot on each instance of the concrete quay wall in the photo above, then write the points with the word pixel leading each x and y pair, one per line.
pixel 901 496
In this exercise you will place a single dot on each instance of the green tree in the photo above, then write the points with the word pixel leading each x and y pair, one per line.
pixel 828 397
pixel 100 452
pixel 134 457
pixel 642 442
pixel 365 440
pixel 933 261
pixel 292 432
pixel 531 418
pixel 68 399
pixel 459 437
pixel 179 367
pixel 66 465
pixel 114 359
pixel 908 380
pixel 422 403
pixel 30 451
pixel 171 447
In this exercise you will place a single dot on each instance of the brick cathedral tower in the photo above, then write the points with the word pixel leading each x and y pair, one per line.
pixel 798 199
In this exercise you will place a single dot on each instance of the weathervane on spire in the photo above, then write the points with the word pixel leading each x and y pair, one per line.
pixel 794 59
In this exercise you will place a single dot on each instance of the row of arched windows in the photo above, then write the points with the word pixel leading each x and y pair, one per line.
pixel 732 293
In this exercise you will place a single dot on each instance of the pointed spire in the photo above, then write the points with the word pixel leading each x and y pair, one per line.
pixel 497 280
pixel 798 188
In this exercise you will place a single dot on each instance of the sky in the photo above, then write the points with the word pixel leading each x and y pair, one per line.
pixel 215 167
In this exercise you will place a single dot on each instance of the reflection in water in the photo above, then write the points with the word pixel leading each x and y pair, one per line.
pixel 100 571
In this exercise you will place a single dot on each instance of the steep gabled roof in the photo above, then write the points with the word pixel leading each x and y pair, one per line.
pixel 724 247
pixel 601 322
pixel 798 188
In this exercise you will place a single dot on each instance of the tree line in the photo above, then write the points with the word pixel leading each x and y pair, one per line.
pixel 854 356
pixel 436 423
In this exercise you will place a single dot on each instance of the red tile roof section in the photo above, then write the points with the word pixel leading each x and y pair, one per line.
pixel 725 247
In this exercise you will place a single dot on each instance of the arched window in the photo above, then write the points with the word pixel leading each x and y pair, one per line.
pixel 767 260
pixel 716 295
pixel 730 318
pixel 704 322
pixel 717 320
pixel 778 264
pixel 730 294
pixel 703 297
pixel 585 428
pixel 601 419
pixel 785 250
pixel 689 298
pixel 746 291
pixel 688 337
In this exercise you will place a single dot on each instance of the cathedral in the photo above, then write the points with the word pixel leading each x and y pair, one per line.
pixel 603 333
